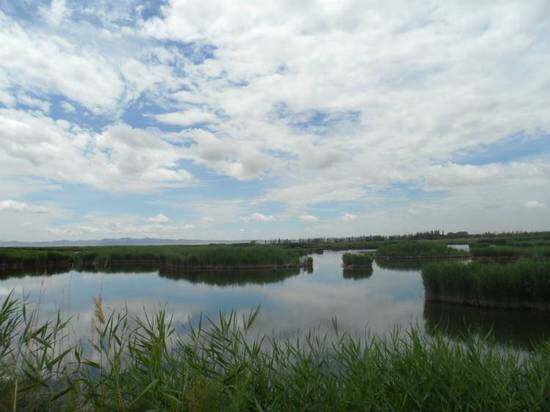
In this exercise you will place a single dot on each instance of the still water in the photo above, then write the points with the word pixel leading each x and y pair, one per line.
pixel 291 302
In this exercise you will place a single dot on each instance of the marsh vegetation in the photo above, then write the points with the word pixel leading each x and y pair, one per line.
pixel 357 260
pixel 222 364
pixel 520 285
pixel 180 257
pixel 417 249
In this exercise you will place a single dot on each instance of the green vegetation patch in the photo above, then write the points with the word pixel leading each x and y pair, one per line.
pixel 523 284
pixel 357 259
pixel 146 363
pixel 416 249
pixel 531 250
pixel 156 256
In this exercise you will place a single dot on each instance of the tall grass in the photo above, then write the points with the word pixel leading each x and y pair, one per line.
pixel 357 260
pixel 402 265
pixel 223 364
pixel 154 256
pixel 523 284
pixel 527 250
pixel 416 249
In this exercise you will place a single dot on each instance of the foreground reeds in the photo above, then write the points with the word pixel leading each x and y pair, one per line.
pixel 524 284
pixel 145 364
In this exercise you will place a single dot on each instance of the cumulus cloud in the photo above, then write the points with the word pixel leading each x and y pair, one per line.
pixel 534 204
pixel 97 226
pixel 258 217
pixel 319 102
pixel 348 217
pixel 120 158
pixel 187 118
pixel 308 218
pixel 23 207
pixel 160 219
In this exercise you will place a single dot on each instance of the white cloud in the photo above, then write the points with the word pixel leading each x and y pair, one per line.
pixel 187 118
pixel 308 218
pixel 258 217
pixel 120 158
pixel 321 102
pixel 160 219
pixel 534 204
pixel 51 64
pixel 348 217
pixel 98 226
pixel 55 13
pixel 67 107
pixel 34 102
pixel 21 207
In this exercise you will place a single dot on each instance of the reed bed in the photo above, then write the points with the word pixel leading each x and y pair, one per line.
pixel 153 256
pixel 527 250
pixel 360 260
pixel 416 249
pixel 222 364
pixel 524 284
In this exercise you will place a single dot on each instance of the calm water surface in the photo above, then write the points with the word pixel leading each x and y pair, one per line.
pixel 291 302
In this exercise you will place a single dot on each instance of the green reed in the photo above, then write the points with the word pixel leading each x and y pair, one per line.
pixel 357 259
pixel 517 250
pixel 144 363
pixel 417 249
pixel 523 283
pixel 109 256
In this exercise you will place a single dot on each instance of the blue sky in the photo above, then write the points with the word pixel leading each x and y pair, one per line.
pixel 240 120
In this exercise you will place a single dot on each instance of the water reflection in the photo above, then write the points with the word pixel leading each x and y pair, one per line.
pixel 291 301
pixel 362 273
pixel 405 265
pixel 516 328
pixel 231 278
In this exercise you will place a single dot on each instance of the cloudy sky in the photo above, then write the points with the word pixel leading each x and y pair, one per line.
pixel 244 119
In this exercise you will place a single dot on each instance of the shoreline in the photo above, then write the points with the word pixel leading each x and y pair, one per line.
pixel 487 303
pixel 149 263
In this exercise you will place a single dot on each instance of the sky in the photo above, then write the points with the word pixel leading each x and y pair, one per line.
pixel 237 119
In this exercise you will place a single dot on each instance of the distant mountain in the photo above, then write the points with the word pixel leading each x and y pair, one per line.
pixel 115 242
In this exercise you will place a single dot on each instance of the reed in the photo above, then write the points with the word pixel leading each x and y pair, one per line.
pixel 223 364
pixel 153 256
pixel 526 250
pixel 523 284
pixel 363 260
pixel 416 249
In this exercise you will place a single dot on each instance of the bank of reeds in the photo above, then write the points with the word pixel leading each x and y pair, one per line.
pixel 524 284
pixel 357 260
pixel 222 364
pixel 510 251
pixel 416 249
pixel 109 257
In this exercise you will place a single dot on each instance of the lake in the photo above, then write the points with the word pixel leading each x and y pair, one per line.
pixel 389 297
